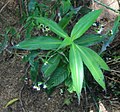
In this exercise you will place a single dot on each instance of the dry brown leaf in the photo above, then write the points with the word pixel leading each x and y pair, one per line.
pixel 102 107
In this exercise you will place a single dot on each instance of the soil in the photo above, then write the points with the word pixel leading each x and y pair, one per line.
pixel 12 85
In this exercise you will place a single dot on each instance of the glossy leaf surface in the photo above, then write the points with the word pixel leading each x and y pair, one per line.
pixel 76 67
pixel 42 42
pixel 59 75
pixel 53 26
pixel 84 23
pixel 101 63
pixel 49 66
pixel 89 39
pixel 90 61
pixel 66 19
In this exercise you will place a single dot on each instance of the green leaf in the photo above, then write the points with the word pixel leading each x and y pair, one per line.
pixel 92 63
pixel 115 26
pixel 84 23
pixel 31 5
pixel 42 42
pixel 29 30
pixel 67 41
pixel 69 84
pixel 89 39
pixel 66 19
pixel 4 42
pixel 76 67
pixel 34 70
pixel 101 63
pixel 65 6
pixel 31 56
pixel 59 75
pixel 113 34
pixel 11 102
pixel 53 26
pixel 49 66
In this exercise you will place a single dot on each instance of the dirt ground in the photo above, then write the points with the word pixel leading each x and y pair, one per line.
pixel 13 86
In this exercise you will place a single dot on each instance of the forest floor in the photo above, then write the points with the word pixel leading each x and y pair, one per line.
pixel 13 86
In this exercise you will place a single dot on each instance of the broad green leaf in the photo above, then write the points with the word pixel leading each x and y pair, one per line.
pixel 49 66
pixel 84 23
pixel 42 42
pixel 53 26
pixel 59 75
pixel 66 19
pixel 89 39
pixel 90 61
pixel 76 67
pixel 101 63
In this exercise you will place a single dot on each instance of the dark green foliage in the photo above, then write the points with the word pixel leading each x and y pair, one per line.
pixel 59 75
pixel 59 53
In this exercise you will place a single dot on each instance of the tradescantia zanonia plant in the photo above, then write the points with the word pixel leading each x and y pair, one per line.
pixel 75 50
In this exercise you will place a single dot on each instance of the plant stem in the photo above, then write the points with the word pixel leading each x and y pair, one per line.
pixel 100 3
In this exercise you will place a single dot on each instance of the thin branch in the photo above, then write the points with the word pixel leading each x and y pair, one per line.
pixel 20 98
pixel 117 81
pixel 4 6
pixel 100 3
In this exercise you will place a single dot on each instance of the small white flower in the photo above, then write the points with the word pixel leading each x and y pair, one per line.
pixel 39 83
pixel 42 25
pixel 44 86
pixel 94 24
pixel 111 32
pixel 59 15
pixel 49 98
pixel 46 63
pixel 36 87
pixel 47 28
pixel 17 45
pixel 26 78
pixel 101 29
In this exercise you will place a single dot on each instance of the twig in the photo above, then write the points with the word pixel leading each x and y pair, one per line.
pixel 112 79
pixel 20 7
pixel 106 6
pixel 115 71
pixel 86 99
pixel 4 6
pixel 93 96
pixel 26 7
pixel 20 98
